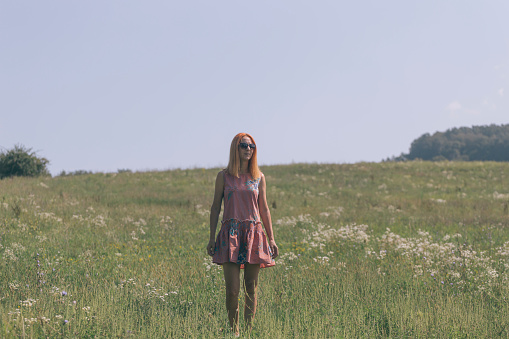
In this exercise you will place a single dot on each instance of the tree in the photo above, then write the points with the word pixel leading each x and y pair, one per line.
pixel 21 161
pixel 478 143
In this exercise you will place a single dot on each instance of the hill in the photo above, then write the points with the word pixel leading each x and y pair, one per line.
pixel 395 249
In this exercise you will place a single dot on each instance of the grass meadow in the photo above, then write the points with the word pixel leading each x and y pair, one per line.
pixel 414 249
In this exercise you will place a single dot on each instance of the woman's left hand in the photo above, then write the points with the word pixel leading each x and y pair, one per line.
pixel 274 249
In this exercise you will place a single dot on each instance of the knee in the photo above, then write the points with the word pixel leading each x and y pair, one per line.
pixel 232 292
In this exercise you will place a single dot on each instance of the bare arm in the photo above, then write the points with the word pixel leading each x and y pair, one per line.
pixel 215 210
pixel 265 216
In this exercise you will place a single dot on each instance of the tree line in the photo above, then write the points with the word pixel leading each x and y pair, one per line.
pixel 476 143
pixel 21 161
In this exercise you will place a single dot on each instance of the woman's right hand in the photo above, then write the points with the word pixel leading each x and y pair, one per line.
pixel 274 249
pixel 211 247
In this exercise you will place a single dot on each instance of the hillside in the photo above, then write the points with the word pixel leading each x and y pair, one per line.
pixel 363 246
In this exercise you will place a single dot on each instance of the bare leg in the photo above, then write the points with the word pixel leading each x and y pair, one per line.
pixel 250 285
pixel 232 283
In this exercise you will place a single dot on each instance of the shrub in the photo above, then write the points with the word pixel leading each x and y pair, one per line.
pixel 21 161
pixel 77 172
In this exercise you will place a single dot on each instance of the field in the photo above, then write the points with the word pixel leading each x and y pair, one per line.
pixel 415 249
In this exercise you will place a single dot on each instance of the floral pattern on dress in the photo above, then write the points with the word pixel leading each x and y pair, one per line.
pixel 230 190
pixel 242 258
pixel 234 228
pixel 252 185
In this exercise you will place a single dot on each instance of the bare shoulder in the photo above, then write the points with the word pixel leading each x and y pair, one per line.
pixel 262 181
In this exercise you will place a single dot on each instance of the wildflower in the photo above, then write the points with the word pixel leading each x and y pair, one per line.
pixel 64 293
pixel 439 201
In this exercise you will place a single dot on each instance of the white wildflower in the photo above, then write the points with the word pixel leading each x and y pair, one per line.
pixel 439 201
pixel 133 235
pixel 41 238
pixel 28 302
pixel 321 260
pixel 497 195
pixel 292 221
pixel 14 285
pixel 288 256
pixel 9 254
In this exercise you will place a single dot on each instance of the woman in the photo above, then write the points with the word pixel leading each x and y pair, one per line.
pixel 241 242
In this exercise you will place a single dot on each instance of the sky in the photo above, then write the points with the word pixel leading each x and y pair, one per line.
pixel 153 85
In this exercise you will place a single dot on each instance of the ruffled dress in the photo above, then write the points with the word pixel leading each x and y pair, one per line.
pixel 242 239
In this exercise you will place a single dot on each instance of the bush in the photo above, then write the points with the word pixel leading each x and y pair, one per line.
pixel 77 172
pixel 22 162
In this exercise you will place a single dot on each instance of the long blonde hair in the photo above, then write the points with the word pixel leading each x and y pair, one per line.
pixel 234 162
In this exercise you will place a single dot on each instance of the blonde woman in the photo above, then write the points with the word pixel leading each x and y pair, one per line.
pixel 241 242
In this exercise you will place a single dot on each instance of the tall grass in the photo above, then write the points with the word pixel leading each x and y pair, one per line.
pixel 412 249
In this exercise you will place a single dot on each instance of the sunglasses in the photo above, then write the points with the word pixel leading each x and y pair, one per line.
pixel 244 145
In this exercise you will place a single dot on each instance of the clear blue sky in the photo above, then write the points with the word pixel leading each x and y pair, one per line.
pixel 107 85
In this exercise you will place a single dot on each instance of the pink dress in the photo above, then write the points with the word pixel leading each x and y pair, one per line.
pixel 241 239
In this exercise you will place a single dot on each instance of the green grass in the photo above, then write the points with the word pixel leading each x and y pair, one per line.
pixel 415 249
